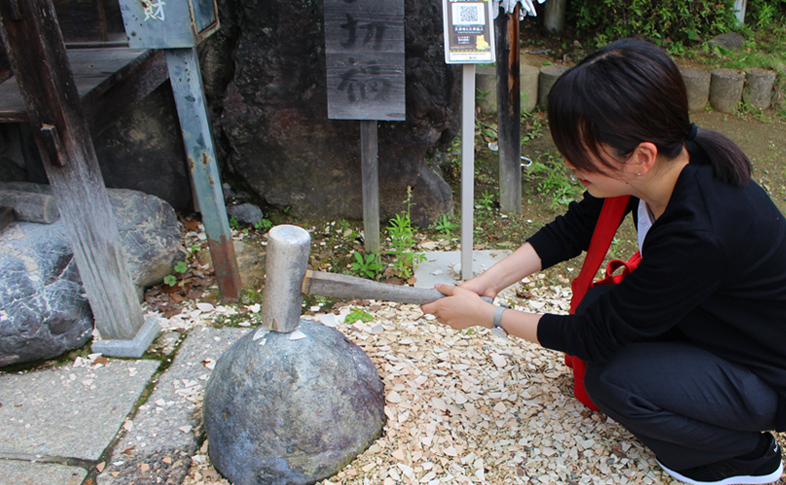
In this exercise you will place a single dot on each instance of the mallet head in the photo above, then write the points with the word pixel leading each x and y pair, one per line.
pixel 286 261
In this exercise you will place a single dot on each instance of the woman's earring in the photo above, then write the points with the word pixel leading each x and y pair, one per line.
pixel 639 174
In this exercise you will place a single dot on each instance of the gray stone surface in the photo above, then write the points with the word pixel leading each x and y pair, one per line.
pixel 246 213
pixel 135 347
pixel 726 89
pixel 528 76
pixel 149 234
pixel 290 409
pixel 444 267
pixel 728 40
pixel 486 87
pixel 43 309
pixel 27 473
pixel 165 429
pixel 759 92
pixel 546 79
pixel 69 412
pixel 697 83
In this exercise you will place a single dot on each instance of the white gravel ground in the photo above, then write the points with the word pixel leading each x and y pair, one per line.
pixel 467 407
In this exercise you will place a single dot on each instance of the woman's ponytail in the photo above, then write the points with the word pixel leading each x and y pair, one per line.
pixel 728 161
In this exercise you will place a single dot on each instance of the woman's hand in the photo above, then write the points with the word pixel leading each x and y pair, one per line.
pixel 461 308
pixel 479 285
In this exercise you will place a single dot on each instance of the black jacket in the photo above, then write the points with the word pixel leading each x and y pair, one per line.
pixel 714 269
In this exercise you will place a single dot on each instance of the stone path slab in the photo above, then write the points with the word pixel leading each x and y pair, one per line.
pixel 445 267
pixel 158 445
pixel 69 411
pixel 27 473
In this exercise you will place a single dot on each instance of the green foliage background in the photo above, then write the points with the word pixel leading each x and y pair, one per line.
pixel 671 23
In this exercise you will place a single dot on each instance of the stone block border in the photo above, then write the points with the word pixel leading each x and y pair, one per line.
pixel 723 89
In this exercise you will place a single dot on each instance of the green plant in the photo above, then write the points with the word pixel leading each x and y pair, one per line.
pixel 487 132
pixel 357 314
pixel 402 241
pixel 555 181
pixel 444 225
pixel 180 267
pixel 486 201
pixel 369 265
pixel 234 223
pixel 263 225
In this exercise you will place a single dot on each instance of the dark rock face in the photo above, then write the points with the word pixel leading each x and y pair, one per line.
pixel 286 411
pixel 281 142
pixel 143 150
pixel 43 308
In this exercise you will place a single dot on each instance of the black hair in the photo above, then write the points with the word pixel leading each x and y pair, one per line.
pixel 627 93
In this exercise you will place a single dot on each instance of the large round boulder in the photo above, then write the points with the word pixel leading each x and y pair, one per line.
pixel 291 408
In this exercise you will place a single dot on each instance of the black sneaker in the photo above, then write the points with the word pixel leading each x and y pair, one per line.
pixel 766 469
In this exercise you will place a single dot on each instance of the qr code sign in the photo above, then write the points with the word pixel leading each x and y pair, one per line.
pixel 469 14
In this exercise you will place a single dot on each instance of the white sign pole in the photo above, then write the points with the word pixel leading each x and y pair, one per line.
pixel 467 168
pixel 469 39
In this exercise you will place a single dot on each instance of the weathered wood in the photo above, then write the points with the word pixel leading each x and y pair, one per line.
pixel 5 64
pixel 30 206
pixel 509 111
pixel 109 80
pixel 370 164
pixel 41 67
pixel 336 285
pixel 123 89
pixel 364 47
pixel 186 80
pixel 6 217
pixel 81 20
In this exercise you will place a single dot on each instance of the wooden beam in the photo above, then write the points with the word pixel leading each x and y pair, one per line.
pixel 124 89
pixel 370 164
pixel 54 109
pixel 186 80
pixel 109 80
pixel 509 111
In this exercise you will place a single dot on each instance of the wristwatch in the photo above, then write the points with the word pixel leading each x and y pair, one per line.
pixel 496 326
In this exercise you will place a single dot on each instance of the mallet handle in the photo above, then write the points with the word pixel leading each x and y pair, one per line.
pixel 337 285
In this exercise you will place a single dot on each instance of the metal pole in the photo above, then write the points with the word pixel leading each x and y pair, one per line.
pixel 467 168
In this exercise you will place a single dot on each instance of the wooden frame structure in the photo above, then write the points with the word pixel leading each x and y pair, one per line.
pixel 64 111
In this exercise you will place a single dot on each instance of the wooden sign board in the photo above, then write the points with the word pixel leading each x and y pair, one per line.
pixel 469 31
pixel 170 24
pixel 364 47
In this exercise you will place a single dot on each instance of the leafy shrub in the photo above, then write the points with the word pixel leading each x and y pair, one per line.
pixel 665 22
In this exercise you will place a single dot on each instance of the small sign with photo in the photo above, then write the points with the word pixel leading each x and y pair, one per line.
pixel 469 31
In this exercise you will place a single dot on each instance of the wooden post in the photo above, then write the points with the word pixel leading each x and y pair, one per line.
pixel 509 111
pixel 467 168
pixel 370 164
pixel 186 79
pixel 38 57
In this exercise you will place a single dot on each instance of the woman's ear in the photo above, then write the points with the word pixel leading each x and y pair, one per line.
pixel 644 157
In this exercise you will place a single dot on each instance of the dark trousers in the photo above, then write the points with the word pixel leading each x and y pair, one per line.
pixel 687 405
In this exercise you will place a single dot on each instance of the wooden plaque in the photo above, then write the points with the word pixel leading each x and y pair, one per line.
pixel 364 46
